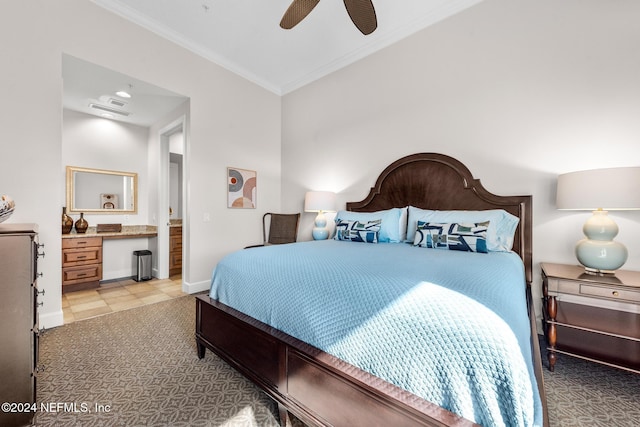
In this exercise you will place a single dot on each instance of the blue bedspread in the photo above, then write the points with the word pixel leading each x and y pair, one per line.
pixel 448 326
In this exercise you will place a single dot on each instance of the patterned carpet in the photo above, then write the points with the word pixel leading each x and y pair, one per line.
pixel 586 394
pixel 139 368
pixel 142 363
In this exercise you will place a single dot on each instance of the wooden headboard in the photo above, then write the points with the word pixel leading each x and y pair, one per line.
pixel 439 182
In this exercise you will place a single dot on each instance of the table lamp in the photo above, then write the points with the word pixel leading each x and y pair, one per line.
pixel 600 190
pixel 320 201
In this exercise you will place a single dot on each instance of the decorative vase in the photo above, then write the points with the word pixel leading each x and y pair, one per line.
pixel 81 224
pixel 67 221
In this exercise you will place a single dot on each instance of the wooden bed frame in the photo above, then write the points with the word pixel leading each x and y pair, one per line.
pixel 322 390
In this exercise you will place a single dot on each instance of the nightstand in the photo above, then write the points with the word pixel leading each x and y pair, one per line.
pixel 594 317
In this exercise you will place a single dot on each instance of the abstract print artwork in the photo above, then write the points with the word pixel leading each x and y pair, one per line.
pixel 241 188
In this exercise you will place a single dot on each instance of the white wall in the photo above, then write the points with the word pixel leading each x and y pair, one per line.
pixel 98 143
pixel 519 91
pixel 35 34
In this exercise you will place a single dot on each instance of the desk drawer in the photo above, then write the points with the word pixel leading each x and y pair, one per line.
pixel 81 242
pixel 85 273
pixel 611 293
pixel 81 256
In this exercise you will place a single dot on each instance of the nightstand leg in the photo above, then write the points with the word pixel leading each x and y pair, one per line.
pixel 552 309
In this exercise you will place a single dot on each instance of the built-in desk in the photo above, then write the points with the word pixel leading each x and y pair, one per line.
pixel 82 254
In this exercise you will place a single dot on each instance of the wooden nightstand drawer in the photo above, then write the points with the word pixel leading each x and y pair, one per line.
pixel 608 292
pixel 573 287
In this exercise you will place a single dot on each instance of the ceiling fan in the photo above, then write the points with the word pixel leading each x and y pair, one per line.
pixel 361 13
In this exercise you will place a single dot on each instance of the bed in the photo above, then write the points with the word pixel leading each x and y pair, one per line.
pixel 409 339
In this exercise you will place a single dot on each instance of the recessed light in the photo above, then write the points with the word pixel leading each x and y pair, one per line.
pixel 123 94
pixel 107 115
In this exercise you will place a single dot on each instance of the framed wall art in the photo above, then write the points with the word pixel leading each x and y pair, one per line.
pixel 242 186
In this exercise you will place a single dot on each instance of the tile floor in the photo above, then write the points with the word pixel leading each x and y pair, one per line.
pixel 117 296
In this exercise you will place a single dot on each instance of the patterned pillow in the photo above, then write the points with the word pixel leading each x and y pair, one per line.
pixel 470 237
pixel 358 231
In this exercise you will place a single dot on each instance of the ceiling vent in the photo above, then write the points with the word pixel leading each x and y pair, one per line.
pixel 108 109
pixel 116 102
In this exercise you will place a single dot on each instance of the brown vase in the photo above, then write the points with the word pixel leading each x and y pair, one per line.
pixel 81 224
pixel 67 221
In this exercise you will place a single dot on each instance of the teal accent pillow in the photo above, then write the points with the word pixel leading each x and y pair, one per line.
pixel 469 237
pixel 390 222
pixel 357 231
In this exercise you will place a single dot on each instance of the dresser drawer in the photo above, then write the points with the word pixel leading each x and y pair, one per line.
pixel 573 287
pixel 81 256
pixel 81 242
pixel 175 243
pixel 611 293
pixel 85 273
pixel 175 260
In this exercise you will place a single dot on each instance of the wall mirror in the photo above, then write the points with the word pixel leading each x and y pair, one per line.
pixel 97 191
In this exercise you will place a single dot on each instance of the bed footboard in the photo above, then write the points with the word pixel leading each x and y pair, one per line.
pixel 316 387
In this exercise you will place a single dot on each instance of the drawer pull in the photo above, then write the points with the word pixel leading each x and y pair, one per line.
pixel 82 257
pixel 614 293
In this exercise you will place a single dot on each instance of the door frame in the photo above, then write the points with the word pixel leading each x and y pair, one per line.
pixel 163 196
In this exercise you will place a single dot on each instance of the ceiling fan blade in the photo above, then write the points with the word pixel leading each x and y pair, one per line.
pixel 297 11
pixel 362 14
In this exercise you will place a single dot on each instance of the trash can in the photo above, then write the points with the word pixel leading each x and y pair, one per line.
pixel 142 265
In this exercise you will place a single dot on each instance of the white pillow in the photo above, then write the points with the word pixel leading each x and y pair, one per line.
pixel 404 216
pixel 500 234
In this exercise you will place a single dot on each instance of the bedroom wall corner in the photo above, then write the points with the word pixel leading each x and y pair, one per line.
pixel 518 91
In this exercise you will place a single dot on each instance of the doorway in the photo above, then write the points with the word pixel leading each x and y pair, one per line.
pixel 121 133
pixel 172 204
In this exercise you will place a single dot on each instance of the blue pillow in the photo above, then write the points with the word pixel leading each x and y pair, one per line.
pixel 356 231
pixel 500 233
pixel 390 222
pixel 470 237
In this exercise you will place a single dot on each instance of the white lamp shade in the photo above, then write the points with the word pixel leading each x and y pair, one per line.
pixel 320 201
pixel 600 190
pixel 608 189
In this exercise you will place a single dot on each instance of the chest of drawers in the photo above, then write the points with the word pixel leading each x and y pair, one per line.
pixel 81 263
pixel 19 335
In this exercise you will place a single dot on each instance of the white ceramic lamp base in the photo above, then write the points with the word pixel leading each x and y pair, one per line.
pixel 599 253
pixel 320 231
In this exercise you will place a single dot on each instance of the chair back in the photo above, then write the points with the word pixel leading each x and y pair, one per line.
pixel 282 228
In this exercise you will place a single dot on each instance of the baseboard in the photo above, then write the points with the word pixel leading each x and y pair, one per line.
pixel 194 288
pixel 50 320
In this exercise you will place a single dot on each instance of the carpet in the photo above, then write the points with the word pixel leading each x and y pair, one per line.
pixel 140 368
